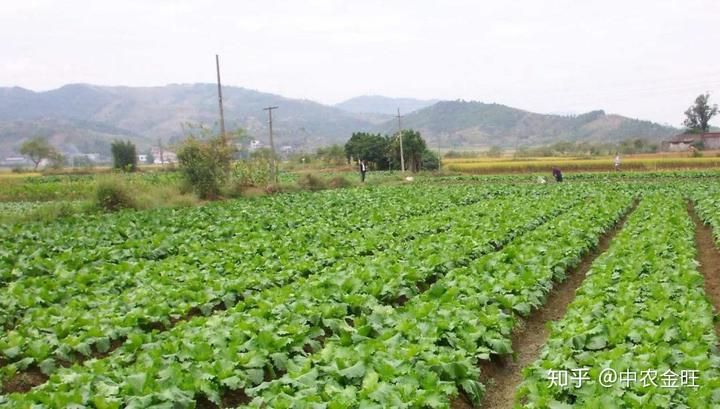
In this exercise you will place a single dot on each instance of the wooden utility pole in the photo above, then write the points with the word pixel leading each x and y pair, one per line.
pixel 402 155
pixel 273 174
pixel 220 101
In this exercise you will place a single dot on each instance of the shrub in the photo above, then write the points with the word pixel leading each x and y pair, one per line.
pixel 113 194
pixel 205 165
pixel 339 182
pixel 311 182
pixel 254 171
pixel 124 156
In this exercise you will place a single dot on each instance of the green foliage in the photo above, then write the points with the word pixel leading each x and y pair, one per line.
pixel 625 147
pixel 641 308
pixel 351 298
pixel 339 182
pixel 430 160
pixel 253 171
pixel 124 155
pixel 333 154
pixel 370 147
pixel 312 182
pixel 57 160
pixel 494 152
pixel 205 164
pixel 112 194
pixel 37 149
pixel 699 114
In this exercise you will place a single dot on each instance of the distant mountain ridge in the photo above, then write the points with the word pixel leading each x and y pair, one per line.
pixel 377 104
pixel 82 117
pixel 471 123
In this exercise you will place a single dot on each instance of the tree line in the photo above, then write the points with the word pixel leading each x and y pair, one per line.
pixel 382 152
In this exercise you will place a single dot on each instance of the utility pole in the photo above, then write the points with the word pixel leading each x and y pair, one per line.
pixel 273 174
pixel 220 102
pixel 162 160
pixel 402 155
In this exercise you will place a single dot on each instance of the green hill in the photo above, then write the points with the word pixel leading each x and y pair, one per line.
pixel 85 118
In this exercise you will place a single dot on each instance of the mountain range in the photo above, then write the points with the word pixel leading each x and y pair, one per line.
pixel 86 118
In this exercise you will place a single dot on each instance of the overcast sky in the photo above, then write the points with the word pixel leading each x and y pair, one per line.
pixel 646 59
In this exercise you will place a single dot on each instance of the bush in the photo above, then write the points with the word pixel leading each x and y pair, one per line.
pixel 124 156
pixel 339 182
pixel 311 182
pixel 205 165
pixel 429 160
pixel 254 171
pixel 113 194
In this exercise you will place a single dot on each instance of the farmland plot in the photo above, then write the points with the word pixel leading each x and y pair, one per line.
pixel 311 306
pixel 640 333
pixel 379 297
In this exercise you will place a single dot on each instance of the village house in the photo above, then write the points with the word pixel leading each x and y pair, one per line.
pixel 683 142
pixel 161 157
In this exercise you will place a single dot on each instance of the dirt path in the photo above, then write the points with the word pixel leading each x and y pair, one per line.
pixel 709 258
pixel 502 375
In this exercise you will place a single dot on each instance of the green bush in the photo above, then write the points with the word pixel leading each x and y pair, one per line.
pixel 205 165
pixel 113 194
pixel 311 182
pixel 124 156
pixel 339 182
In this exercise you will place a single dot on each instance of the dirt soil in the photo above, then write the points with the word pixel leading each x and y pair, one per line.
pixel 709 258
pixel 24 381
pixel 501 375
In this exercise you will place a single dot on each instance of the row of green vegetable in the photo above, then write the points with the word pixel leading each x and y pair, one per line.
pixel 424 353
pixel 38 249
pixel 314 243
pixel 640 332
pixel 237 348
pixel 96 318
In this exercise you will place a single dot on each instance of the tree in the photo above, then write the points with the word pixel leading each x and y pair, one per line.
pixel 370 147
pixel 57 160
pixel 494 152
pixel 36 150
pixel 205 164
pixel 699 114
pixel 332 154
pixel 149 158
pixel 413 148
pixel 124 155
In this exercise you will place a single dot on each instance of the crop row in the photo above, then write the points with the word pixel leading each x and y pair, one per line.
pixel 706 199
pixel 314 241
pixel 74 244
pixel 92 319
pixel 421 354
pixel 237 348
pixel 640 331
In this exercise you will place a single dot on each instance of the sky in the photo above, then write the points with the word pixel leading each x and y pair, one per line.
pixel 639 58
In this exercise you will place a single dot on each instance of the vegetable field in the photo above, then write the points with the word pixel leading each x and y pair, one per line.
pixel 407 296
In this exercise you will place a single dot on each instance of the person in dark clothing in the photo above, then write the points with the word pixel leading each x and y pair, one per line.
pixel 557 174
pixel 363 170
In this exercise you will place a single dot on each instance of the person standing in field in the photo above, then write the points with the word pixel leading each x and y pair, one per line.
pixel 617 162
pixel 557 174
pixel 363 170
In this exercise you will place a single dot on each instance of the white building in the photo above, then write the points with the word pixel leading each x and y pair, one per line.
pixel 255 145
pixel 163 157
